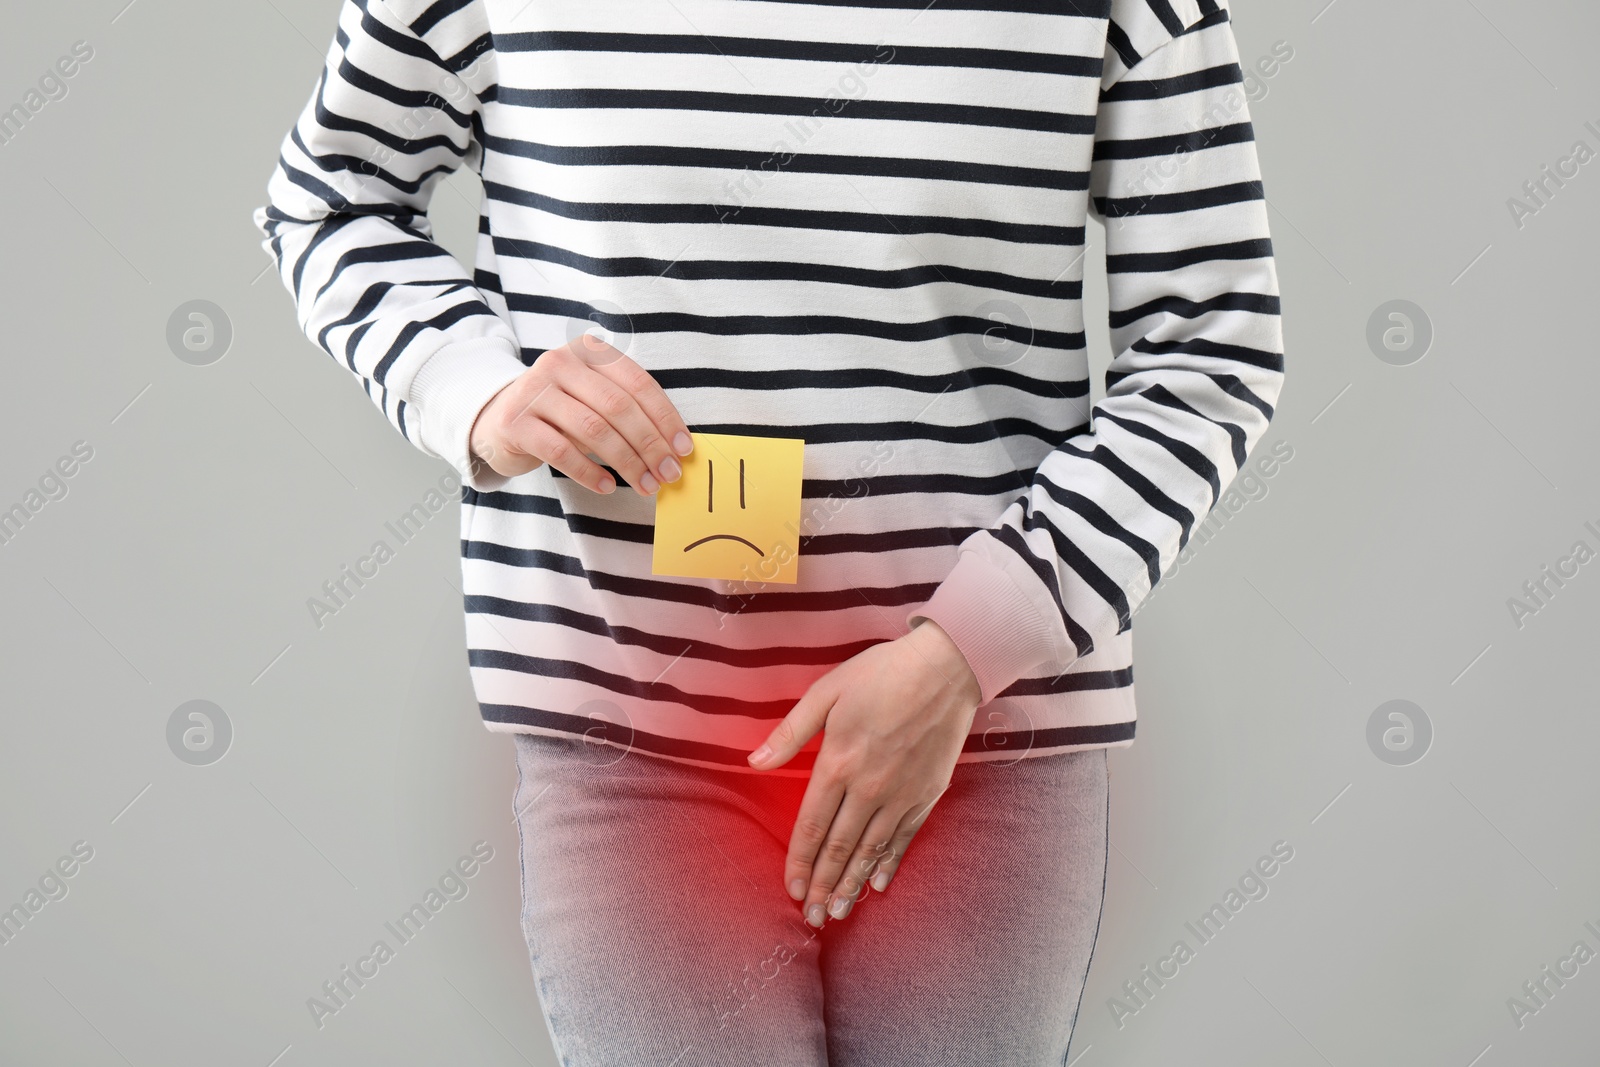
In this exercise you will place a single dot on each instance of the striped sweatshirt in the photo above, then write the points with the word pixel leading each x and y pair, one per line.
pixel 861 223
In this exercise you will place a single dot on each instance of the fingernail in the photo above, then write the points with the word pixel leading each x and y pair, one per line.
pixel 880 881
pixel 670 469
pixel 797 889
pixel 683 443
pixel 607 485
pixel 649 484
pixel 840 907
pixel 814 915
pixel 761 755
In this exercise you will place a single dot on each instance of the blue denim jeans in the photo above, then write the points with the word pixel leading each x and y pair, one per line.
pixel 660 933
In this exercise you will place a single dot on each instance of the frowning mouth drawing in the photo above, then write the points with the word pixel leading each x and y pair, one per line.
pixel 711 506
pixel 724 537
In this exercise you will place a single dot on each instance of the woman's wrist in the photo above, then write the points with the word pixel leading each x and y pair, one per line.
pixel 946 657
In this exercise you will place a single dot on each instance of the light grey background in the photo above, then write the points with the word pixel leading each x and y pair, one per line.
pixel 1378 566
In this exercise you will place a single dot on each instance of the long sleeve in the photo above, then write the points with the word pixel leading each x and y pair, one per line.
pixel 347 226
pixel 1197 361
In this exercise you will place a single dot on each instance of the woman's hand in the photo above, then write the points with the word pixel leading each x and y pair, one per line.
pixel 584 399
pixel 897 715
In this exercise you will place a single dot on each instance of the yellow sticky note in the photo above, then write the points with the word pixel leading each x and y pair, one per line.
pixel 735 512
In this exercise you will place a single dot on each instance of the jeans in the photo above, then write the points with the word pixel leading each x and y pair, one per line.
pixel 660 933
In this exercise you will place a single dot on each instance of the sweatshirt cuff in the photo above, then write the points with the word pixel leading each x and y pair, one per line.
pixel 450 389
pixel 994 623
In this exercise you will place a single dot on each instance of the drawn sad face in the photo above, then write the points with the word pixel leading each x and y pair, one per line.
pixel 735 513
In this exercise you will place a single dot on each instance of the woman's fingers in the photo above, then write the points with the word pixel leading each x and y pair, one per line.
pixel 649 396
pixel 900 842
pixel 539 438
pixel 600 404
pixel 497 432
pixel 593 435
pixel 818 808
pixel 872 850
pixel 796 728
pixel 821 847
pixel 644 446
pixel 820 805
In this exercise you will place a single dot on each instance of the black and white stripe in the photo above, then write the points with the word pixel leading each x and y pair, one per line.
pixel 859 223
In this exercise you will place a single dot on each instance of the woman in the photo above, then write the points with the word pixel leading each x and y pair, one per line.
pixel 859 226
